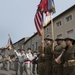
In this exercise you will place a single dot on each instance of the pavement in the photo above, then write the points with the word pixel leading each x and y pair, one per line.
pixel 4 72
pixel 10 72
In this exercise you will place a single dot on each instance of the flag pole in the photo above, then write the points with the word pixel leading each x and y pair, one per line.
pixel 42 40
pixel 43 36
pixel 9 35
pixel 52 30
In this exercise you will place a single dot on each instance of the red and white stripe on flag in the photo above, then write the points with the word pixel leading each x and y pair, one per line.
pixel 38 19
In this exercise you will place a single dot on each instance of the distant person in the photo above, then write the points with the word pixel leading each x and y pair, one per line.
pixel 22 57
pixel 35 62
pixel 7 62
pixel 1 61
pixel 17 64
pixel 29 65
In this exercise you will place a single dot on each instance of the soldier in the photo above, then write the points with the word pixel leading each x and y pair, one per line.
pixel 29 62
pixel 35 59
pixel 22 57
pixel 12 62
pixel 1 61
pixel 58 66
pixel 69 57
pixel 48 56
pixel 7 62
pixel 41 62
pixel 17 55
pixel 22 62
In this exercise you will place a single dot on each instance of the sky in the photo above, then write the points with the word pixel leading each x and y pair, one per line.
pixel 17 18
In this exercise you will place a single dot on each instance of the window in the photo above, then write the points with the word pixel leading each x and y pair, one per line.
pixel 68 18
pixel 70 33
pixel 60 35
pixel 47 30
pixel 22 46
pixel 33 46
pixel 58 23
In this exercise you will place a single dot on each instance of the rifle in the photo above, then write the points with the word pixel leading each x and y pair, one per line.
pixel 58 59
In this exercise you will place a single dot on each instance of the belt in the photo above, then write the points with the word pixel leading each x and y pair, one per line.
pixel 69 63
pixel 27 61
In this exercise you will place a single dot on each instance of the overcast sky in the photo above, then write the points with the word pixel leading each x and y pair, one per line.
pixel 17 17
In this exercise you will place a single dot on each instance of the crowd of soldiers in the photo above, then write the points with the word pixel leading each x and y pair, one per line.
pixel 59 60
pixel 19 62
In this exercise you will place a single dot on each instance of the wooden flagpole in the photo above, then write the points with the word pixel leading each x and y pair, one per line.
pixel 8 42
pixel 43 36
pixel 52 29
pixel 9 35
pixel 42 40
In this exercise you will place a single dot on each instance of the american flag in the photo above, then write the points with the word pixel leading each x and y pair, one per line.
pixel 47 5
pixel 38 20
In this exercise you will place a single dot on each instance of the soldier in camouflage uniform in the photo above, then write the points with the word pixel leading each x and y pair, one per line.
pixel 69 57
pixel 48 56
pixel 58 66
pixel 41 62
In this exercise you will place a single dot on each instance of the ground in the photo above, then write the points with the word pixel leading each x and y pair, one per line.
pixel 4 72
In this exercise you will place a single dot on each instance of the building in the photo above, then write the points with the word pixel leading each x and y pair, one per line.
pixel 20 44
pixel 64 26
pixel 33 42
